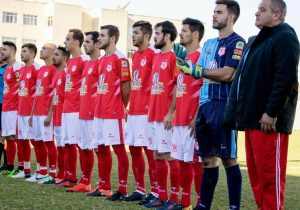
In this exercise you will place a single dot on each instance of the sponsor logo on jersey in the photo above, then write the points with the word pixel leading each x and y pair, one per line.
pixel 22 90
pixel 181 87
pixel 240 45
pixel 102 86
pixel 83 88
pixel 5 87
pixel 157 87
pixel 213 64
pixel 221 51
pixel 68 84
pixel 39 89
pixel 136 83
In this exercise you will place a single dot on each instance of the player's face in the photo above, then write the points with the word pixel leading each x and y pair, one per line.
pixel 25 54
pixel 159 38
pixel 45 52
pixel 5 53
pixel 220 16
pixel 69 42
pixel 137 36
pixel 57 57
pixel 88 45
pixel 104 39
pixel 264 15
pixel 186 36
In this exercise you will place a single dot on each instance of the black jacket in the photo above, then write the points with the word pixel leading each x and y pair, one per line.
pixel 266 81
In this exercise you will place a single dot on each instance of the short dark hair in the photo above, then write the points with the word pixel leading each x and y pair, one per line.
pixel 94 34
pixel 10 44
pixel 168 28
pixel 31 47
pixel 145 26
pixel 112 31
pixel 77 35
pixel 279 6
pixel 232 7
pixel 195 25
pixel 64 51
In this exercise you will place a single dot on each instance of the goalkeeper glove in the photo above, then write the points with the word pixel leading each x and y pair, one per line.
pixel 179 51
pixel 187 67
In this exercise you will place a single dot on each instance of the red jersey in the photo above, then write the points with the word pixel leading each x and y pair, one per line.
pixel 112 71
pixel 88 90
pixel 58 96
pixel 163 77
pixel 44 90
pixel 75 68
pixel 187 95
pixel 11 86
pixel 141 82
pixel 28 76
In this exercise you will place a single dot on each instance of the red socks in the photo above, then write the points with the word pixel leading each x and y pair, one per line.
pixel 61 162
pixel 71 161
pixel 11 151
pixel 43 152
pixel 104 166
pixel 52 157
pixel 26 155
pixel 20 154
pixel 87 167
pixel 138 167
pixel 175 180
pixel 152 170
pixel 162 179
pixel 123 167
pixel 198 170
pixel 186 180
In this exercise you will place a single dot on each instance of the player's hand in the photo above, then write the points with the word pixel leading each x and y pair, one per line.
pixel 179 51
pixel 192 127
pixel 267 123
pixel 187 67
pixel 30 121
pixel 168 121
pixel 47 121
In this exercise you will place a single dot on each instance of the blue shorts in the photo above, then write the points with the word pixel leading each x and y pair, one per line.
pixel 213 139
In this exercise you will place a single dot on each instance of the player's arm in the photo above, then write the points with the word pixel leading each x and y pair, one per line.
pixel 169 116
pixel 31 113
pixel 224 74
pixel 125 92
pixel 48 119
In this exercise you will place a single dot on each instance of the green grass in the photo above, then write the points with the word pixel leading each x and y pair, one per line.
pixel 18 194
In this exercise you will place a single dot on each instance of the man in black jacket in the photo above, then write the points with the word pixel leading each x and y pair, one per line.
pixel 263 102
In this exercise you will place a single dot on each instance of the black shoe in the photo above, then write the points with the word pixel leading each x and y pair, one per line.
pixel 147 199
pixel 117 196
pixel 27 175
pixel 2 168
pixel 135 196
pixel 154 203
pixel 95 193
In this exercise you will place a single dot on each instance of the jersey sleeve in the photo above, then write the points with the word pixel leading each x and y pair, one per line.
pixel 234 53
pixel 125 70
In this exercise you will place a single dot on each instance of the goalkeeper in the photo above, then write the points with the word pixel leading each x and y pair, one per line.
pixel 217 63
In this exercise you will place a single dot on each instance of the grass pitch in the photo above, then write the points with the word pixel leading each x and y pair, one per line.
pixel 18 194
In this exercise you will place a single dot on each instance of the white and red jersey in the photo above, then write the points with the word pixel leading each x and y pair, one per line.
pixel 44 90
pixel 75 68
pixel 187 95
pixel 88 90
pixel 163 80
pixel 28 76
pixel 112 71
pixel 141 82
pixel 11 86
pixel 58 96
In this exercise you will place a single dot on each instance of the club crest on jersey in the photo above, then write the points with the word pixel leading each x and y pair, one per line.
pixel 73 68
pixel 143 62
pixel 164 65
pixel 28 75
pixel 221 51
pixel 109 67
pixel 90 70
pixel 8 76
pixel 46 74
pixel 59 81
